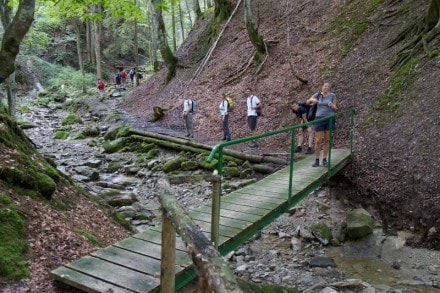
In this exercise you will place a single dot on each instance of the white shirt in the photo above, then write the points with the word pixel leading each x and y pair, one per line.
pixel 254 100
pixel 223 108
pixel 187 106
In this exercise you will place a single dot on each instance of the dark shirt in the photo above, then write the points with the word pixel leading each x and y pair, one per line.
pixel 301 110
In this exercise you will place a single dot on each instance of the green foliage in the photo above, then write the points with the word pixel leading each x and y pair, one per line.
pixel 12 241
pixel 61 134
pixel 89 236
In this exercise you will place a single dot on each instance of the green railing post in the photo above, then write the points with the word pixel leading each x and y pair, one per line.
pixel 330 142
pixel 216 195
pixel 292 154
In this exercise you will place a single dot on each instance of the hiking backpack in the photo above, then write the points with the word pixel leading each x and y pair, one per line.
pixel 230 104
pixel 194 106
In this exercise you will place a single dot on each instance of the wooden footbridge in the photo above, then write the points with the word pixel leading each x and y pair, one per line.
pixel 134 264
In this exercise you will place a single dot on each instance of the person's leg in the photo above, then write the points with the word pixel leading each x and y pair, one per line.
pixel 318 139
pixel 226 133
pixel 310 136
pixel 252 123
pixel 190 125
pixel 325 146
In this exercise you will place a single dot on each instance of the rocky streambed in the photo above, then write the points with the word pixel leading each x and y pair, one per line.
pixel 284 253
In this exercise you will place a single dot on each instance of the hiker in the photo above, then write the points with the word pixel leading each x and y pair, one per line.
pixel 253 103
pixel 188 116
pixel 131 73
pixel 326 102
pixel 224 113
pixel 101 87
pixel 118 79
pixel 123 78
pixel 301 110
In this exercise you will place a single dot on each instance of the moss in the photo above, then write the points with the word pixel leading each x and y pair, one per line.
pixel 152 154
pixel 172 164
pixel 392 100
pixel 92 130
pixel 52 173
pixel 434 53
pixel 119 219
pixel 113 146
pixel 12 241
pixel 79 135
pixel 352 22
pixel 87 235
pixel 115 132
pixel 25 124
pixel 145 147
pixel 230 172
pixel 322 231
pixel 189 166
pixel 70 119
pixel 114 167
pixel 61 134
pixel 46 186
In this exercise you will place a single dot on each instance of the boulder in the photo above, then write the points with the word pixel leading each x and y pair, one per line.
pixel 360 223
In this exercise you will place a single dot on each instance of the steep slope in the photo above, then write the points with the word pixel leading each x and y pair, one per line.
pixel 397 126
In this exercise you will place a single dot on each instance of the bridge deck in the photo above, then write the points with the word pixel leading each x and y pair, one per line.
pixel 133 264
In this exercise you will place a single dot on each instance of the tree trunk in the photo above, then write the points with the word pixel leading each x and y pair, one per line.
pixel 182 27
pixel 185 144
pixel 168 56
pixel 11 94
pixel 154 41
pixel 13 35
pixel 77 28
pixel 254 36
pixel 189 13
pixel 222 9
pixel 173 25
pixel 196 9
pixel 209 265
pixel 136 46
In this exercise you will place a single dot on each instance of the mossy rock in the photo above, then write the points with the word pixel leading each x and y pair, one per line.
pixel 172 165
pixel 204 164
pixel 189 165
pixel 232 164
pixel 71 119
pixel 25 124
pixel 92 130
pixel 246 165
pixel 158 113
pixel 53 173
pixel 230 172
pixel 17 177
pixel 152 154
pixel 61 134
pixel 114 167
pixel 360 223
pixel 13 265
pixel 111 147
pixel 119 219
pixel 322 232
pixel 144 147
pixel 116 132
pixel 46 186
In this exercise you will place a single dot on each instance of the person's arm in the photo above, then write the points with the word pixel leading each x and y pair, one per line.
pixel 332 105
pixel 304 118
pixel 312 100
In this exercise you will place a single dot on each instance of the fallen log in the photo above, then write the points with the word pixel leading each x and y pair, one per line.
pixel 210 267
pixel 191 143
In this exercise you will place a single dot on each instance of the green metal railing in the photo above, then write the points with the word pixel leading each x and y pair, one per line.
pixel 292 129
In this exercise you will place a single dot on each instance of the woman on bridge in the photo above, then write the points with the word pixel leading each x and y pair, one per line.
pixel 326 102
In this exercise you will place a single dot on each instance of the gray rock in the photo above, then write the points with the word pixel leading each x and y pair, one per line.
pixel 359 223
pixel 322 262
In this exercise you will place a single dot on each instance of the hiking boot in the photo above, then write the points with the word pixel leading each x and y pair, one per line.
pixel 324 162
pixel 316 163
pixel 309 151
pixel 298 149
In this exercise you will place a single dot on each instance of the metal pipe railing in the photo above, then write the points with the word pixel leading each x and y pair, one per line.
pixel 219 149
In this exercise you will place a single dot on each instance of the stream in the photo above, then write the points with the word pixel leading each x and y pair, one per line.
pixel 283 253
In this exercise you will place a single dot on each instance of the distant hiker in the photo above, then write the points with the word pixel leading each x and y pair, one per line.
pixel 301 110
pixel 253 103
pixel 131 73
pixel 101 87
pixel 188 116
pixel 224 113
pixel 326 102
pixel 118 80
pixel 123 78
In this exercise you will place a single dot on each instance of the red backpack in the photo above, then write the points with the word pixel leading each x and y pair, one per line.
pixel 123 74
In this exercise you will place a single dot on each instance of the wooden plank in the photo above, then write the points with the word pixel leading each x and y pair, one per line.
pixel 154 236
pixel 232 206
pixel 234 223
pixel 252 200
pixel 114 274
pixel 224 230
pixel 207 233
pixel 230 214
pixel 131 260
pixel 150 249
pixel 84 282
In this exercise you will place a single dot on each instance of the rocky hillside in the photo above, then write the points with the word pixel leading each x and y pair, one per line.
pixel 397 125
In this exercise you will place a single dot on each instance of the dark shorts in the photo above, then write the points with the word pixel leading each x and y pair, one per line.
pixel 252 122
pixel 323 125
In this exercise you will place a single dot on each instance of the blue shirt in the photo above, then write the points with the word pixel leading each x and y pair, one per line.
pixel 323 108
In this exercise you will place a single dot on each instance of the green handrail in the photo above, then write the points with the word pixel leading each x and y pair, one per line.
pixel 219 149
